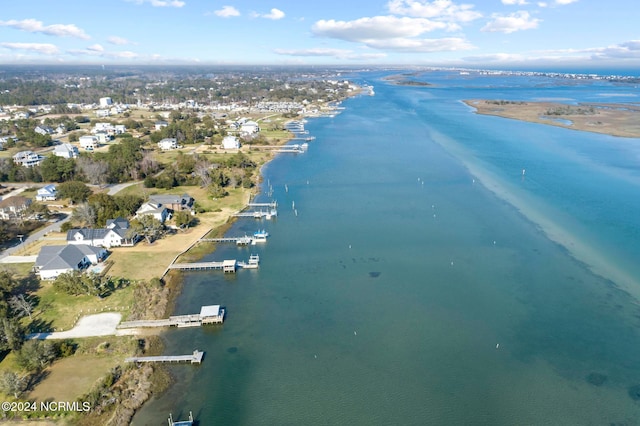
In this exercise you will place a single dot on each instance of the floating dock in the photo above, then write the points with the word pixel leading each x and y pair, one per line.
pixel 257 215
pixel 194 358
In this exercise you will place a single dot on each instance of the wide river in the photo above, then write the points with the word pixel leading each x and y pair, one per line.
pixel 429 266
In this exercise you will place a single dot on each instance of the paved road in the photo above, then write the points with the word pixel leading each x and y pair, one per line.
pixel 54 227
pixel 88 326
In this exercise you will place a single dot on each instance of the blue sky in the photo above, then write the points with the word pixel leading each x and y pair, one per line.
pixel 473 34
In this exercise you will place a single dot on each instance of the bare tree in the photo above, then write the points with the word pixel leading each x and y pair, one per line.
pixel 148 165
pixel 202 171
pixel 95 171
pixel 85 214
pixel 22 305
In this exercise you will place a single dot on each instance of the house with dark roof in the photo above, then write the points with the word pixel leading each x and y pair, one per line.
pixel 173 202
pixel 55 260
pixel 115 234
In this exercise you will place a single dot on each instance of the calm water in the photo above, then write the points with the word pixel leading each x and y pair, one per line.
pixel 425 280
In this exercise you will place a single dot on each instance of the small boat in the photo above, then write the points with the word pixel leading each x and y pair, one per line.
pixel 260 236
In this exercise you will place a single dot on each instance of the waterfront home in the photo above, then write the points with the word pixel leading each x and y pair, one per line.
pixel 14 207
pixel 47 193
pixel 55 260
pixel 65 150
pixel 167 144
pixel 27 158
pixel 230 142
pixel 115 234
pixel 173 202
pixel 88 142
pixel 158 211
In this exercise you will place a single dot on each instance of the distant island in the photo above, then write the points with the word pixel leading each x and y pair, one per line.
pixel 615 119
pixel 403 80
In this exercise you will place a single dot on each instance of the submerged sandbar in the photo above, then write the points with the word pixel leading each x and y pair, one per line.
pixel 608 118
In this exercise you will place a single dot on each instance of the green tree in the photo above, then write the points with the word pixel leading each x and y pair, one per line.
pixel 182 219
pixel 35 355
pixel 74 190
pixel 12 384
pixel 148 227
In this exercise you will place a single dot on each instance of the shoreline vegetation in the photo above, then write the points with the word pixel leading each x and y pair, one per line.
pixel 405 80
pixel 151 295
pixel 614 119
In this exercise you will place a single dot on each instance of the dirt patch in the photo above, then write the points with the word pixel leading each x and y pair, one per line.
pixel 67 375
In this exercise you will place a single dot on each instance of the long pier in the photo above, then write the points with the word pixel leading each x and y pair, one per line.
pixel 229 265
pixel 272 204
pixel 257 215
pixel 212 314
pixel 194 358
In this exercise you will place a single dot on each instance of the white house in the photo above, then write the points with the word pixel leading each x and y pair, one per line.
pixel 250 127
pixel 65 150
pixel 102 113
pixel 158 211
pixel 27 158
pixel 47 193
pixel 55 260
pixel 230 142
pixel 14 207
pixel 105 102
pixel 167 144
pixel 88 142
pixel 112 235
pixel 103 137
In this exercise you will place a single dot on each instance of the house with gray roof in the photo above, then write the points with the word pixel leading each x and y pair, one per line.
pixel 115 234
pixel 157 211
pixel 55 260
pixel 173 202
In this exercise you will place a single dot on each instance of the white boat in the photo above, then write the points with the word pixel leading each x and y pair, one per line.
pixel 260 236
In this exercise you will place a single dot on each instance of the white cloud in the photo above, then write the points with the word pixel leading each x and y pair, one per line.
pixel 512 2
pixel 96 48
pixel 376 28
pixel 274 14
pixel 511 23
pixel 35 26
pixel 227 12
pixel 444 10
pixel 160 3
pixel 119 41
pixel 422 45
pixel 328 52
pixel 44 48
pixel 563 2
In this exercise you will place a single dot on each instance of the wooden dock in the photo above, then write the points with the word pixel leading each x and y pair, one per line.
pixel 194 358
pixel 257 214
pixel 272 204
pixel 211 314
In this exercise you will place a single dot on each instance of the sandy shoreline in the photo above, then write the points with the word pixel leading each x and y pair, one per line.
pixel 622 120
